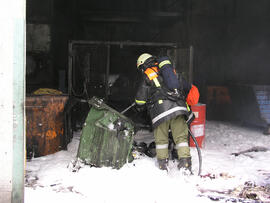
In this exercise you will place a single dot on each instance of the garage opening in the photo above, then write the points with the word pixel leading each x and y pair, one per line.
pixel 77 50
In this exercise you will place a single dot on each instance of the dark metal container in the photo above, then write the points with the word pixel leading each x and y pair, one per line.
pixel 45 124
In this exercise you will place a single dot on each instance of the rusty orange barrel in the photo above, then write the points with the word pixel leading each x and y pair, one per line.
pixel 197 127
pixel 44 124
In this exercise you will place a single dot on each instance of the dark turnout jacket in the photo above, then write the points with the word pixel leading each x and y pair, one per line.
pixel 161 104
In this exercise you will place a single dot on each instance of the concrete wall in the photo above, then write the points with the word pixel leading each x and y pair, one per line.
pixel 12 43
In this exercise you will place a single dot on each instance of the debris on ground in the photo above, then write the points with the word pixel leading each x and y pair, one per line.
pixel 253 149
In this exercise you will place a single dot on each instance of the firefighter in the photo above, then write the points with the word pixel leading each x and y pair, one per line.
pixel 163 95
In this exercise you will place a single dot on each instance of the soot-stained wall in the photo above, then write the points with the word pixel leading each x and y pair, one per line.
pixel 250 40
pixel 230 37
pixel 231 41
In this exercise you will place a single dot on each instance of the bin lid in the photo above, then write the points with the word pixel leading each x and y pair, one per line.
pixel 101 105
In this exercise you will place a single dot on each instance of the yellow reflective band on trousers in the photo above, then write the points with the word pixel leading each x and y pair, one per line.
pixel 182 144
pixel 139 102
pixel 179 130
pixel 162 146
pixel 163 63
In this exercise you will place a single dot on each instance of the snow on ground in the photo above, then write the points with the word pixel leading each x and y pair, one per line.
pixel 49 179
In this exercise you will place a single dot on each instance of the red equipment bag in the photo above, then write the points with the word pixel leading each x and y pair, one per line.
pixel 193 96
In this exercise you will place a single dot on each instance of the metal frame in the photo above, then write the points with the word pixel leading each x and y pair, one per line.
pixel 108 44
pixel 122 43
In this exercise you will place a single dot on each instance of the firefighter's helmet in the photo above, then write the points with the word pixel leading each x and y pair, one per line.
pixel 142 58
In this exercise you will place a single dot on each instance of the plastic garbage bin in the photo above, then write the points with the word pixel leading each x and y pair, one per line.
pixel 107 137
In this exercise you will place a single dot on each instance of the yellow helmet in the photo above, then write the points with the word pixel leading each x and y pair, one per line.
pixel 142 58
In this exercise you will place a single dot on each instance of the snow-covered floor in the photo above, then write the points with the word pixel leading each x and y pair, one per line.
pixel 224 177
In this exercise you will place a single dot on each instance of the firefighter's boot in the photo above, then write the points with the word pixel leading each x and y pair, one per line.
pixel 163 164
pixel 185 163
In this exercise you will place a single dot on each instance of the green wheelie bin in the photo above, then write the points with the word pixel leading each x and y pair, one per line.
pixel 107 137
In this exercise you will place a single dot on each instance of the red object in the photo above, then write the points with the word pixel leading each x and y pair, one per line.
pixel 197 127
pixel 193 96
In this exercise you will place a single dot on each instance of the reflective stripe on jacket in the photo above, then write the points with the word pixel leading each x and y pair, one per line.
pixel 159 107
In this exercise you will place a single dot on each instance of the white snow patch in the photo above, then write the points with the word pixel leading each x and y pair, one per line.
pixel 111 126
pixel 50 180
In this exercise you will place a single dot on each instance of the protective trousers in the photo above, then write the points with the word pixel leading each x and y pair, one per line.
pixel 179 131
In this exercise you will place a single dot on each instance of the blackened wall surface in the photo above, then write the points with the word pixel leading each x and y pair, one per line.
pixel 230 37
pixel 231 41
pixel 250 39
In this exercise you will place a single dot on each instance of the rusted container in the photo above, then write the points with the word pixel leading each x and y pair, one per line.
pixel 45 124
